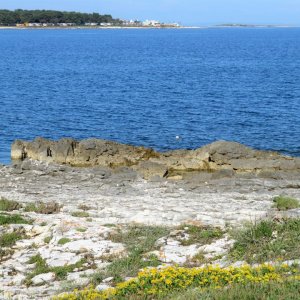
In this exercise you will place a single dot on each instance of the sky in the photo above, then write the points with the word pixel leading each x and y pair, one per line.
pixel 187 12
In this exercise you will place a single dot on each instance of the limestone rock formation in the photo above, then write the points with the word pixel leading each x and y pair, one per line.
pixel 87 153
pixel 217 156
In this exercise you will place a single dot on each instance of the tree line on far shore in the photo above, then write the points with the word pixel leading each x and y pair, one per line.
pixel 19 16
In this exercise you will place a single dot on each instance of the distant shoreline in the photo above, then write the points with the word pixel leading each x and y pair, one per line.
pixel 99 27
pixel 144 27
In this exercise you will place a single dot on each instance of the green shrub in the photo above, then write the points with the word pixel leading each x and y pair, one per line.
pixel 81 229
pixel 267 240
pixel 130 265
pixel 200 234
pixel 47 239
pixel 9 239
pixel 199 283
pixel 80 214
pixel 63 241
pixel 13 219
pixel 285 203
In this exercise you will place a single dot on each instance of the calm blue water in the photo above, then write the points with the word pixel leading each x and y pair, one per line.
pixel 145 87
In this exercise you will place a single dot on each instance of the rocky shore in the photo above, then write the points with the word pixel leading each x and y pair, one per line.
pixel 77 195
pixel 221 155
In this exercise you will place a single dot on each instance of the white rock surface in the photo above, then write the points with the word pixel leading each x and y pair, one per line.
pixel 174 252
pixel 102 287
pixel 45 278
pixel 59 258
pixel 219 247
pixel 98 249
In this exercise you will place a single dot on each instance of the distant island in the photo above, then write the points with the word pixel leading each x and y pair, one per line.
pixel 52 18
pixel 251 25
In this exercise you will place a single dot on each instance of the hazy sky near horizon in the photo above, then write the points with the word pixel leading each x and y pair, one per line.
pixel 188 12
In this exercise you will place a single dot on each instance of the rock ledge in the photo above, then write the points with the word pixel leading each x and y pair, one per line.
pixel 220 155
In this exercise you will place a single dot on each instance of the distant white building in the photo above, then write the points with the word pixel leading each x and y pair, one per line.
pixel 34 24
pixel 91 24
pixel 171 25
pixel 48 24
pixel 132 23
pixel 66 24
pixel 151 23
pixel 105 24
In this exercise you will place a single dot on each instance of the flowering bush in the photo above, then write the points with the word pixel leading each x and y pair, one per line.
pixel 168 279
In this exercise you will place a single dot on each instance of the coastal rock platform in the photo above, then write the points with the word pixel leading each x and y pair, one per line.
pixel 221 185
pixel 219 155
pixel 218 183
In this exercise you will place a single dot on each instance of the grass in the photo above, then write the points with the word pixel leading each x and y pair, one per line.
pixel 81 229
pixel 63 241
pixel 110 225
pixel 43 208
pixel 68 286
pixel 285 203
pixel 267 240
pixel 9 239
pixel 196 260
pixel 200 234
pixel 128 266
pixel 80 214
pixel 139 237
pixel 13 219
pixel 41 267
pixel 9 205
pixel 138 240
pixel 251 291
pixel 47 239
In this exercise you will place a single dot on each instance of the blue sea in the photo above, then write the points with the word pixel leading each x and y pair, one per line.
pixel 145 87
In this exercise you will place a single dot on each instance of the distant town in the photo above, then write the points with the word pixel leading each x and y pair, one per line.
pixel 49 18
pixel 124 23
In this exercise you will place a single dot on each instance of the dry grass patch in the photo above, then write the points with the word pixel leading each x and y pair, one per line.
pixel 9 205
pixel 80 214
pixel 43 208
